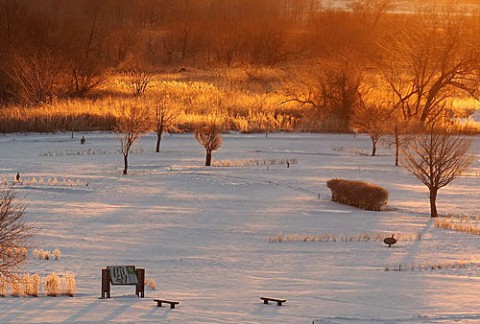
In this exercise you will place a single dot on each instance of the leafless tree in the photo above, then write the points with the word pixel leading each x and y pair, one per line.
pixel 370 12
pixel 163 117
pixel 14 233
pixel 139 81
pixel 374 120
pixel 85 60
pixel 331 89
pixel 132 123
pixel 436 159
pixel 209 137
pixel 428 61
pixel 35 76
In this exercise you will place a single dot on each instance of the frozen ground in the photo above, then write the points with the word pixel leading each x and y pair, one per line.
pixel 203 233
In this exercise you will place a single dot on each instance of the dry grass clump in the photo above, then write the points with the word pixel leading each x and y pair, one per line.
pixel 16 252
pixel 56 254
pixel 151 283
pixel 426 266
pixel 464 224
pixel 253 162
pixel 34 285
pixel 52 285
pixel 69 284
pixel 45 254
pixel 29 285
pixel 41 181
pixel 16 286
pixel 327 237
pixel 358 194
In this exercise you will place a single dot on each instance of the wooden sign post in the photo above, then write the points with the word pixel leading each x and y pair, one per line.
pixel 123 276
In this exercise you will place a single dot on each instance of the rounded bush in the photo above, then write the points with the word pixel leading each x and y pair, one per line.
pixel 358 194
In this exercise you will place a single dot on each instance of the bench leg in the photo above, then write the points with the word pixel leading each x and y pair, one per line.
pixel 265 301
pixel 159 304
pixel 172 305
pixel 279 303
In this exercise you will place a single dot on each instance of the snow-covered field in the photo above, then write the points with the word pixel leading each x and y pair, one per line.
pixel 203 233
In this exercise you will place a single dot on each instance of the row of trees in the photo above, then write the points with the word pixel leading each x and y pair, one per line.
pixel 133 121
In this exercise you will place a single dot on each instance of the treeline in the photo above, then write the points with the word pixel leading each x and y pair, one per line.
pixel 336 62
pixel 55 48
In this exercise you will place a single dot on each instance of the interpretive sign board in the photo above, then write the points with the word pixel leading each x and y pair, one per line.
pixel 123 275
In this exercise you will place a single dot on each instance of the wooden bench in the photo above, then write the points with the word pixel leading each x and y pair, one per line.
pixel 278 300
pixel 160 301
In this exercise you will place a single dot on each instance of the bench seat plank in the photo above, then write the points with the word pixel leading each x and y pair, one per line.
pixel 279 301
pixel 160 301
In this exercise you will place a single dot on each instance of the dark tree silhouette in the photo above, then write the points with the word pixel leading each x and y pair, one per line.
pixel 436 159
pixel 209 137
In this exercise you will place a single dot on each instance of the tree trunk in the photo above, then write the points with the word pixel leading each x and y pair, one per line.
pixel 159 136
pixel 374 146
pixel 433 202
pixel 208 160
pixel 397 145
pixel 125 160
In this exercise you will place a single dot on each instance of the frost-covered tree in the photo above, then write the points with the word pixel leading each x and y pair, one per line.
pixel 436 159
pixel 209 137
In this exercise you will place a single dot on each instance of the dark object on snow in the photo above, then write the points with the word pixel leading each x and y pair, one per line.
pixel 160 301
pixel 278 300
pixel 288 164
pixel 358 194
pixel 82 140
pixel 17 177
pixel 390 241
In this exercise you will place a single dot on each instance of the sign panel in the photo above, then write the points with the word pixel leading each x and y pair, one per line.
pixel 123 275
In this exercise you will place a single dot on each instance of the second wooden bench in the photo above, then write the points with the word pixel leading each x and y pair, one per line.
pixel 278 300
pixel 160 301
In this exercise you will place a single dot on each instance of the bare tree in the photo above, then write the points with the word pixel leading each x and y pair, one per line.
pixel 34 75
pixel 137 81
pixel 428 62
pixel 163 117
pixel 209 136
pixel 14 233
pixel 436 159
pixel 83 46
pixel 332 89
pixel 373 120
pixel 132 123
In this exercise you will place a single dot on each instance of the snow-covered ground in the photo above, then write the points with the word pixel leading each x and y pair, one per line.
pixel 202 233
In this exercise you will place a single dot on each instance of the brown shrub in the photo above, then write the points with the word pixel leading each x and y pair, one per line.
pixel 358 194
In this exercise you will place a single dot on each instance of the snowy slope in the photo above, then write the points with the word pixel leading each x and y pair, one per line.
pixel 203 233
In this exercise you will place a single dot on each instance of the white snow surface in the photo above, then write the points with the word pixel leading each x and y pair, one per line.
pixel 202 233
